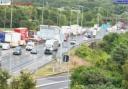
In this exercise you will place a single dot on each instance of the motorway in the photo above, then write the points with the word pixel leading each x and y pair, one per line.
pixel 14 64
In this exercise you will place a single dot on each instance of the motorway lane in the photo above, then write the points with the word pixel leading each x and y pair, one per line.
pixel 27 61
pixel 19 61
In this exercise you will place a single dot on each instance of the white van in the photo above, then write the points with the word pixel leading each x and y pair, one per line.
pixel 5 46
pixel 51 45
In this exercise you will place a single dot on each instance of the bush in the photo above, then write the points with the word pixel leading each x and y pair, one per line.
pixel 79 87
pixel 87 76
pixel 83 51
pixel 103 86
pixel 95 76
pixel 95 56
pixel 110 42
pixel 120 54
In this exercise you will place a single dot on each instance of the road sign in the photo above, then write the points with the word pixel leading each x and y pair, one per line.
pixel 5 2
pixel 120 1
pixel 65 58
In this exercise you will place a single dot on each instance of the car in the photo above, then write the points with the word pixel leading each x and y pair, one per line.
pixel 17 51
pixel 34 51
pixel 47 51
pixel 89 34
pixel 73 42
pixel 30 46
pixel 85 38
pixel 5 46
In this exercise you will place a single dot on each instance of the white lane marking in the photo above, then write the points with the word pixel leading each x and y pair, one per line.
pixel 64 88
pixel 53 83
pixel 53 77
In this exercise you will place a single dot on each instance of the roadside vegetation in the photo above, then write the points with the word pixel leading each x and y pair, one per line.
pixel 109 69
pixel 24 81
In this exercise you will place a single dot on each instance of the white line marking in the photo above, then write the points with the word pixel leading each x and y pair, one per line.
pixel 53 83
pixel 64 88
pixel 52 77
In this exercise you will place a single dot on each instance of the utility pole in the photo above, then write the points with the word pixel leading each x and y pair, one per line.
pixel 77 17
pixel 70 17
pixel 43 13
pixel 82 17
pixel 11 13
pixel 10 65
pixel 5 18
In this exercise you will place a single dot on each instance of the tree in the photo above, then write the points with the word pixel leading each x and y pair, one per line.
pixel 125 75
pixel 24 81
pixel 4 76
pixel 86 76
pixel 110 42
pixel 120 54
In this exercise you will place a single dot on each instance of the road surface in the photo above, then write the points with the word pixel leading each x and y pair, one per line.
pixel 56 82
pixel 15 64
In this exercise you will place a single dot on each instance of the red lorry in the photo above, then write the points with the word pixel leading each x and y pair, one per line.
pixel 24 34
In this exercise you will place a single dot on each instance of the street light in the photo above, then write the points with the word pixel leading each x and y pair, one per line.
pixel 73 9
pixel 43 13
pixel 82 13
pixel 10 65
pixel 5 18
pixel 11 13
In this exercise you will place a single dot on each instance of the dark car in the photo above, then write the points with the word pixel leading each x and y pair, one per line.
pixel 47 51
pixel 89 34
pixel 17 51
pixel 73 42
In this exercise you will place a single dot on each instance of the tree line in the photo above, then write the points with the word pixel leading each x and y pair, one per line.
pixel 86 15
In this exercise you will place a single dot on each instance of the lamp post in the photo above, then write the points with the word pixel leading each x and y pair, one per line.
pixel 82 13
pixel 11 13
pixel 43 13
pixel 82 17
pixel 70 17
pixel 10 65
pixel 5 17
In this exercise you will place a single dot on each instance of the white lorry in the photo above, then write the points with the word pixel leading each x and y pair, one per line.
pixel 13 38
pixel 51 32
pixel 51 45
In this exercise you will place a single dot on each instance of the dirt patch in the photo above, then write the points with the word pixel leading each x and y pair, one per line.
pixel 77 62
pixel 55 67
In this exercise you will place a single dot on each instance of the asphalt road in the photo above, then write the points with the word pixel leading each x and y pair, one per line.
pixel 15 64
pixel 56 82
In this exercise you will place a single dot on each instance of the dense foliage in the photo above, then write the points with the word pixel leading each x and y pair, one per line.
pixel 109 61
pixel 62 12
pixel 24 81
